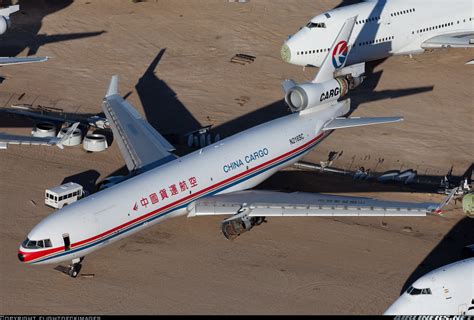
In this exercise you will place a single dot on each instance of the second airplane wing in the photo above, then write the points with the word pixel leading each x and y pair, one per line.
pixel 141 145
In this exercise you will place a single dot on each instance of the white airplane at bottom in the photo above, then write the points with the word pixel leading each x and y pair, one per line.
pixel 210 181
pixel 448 290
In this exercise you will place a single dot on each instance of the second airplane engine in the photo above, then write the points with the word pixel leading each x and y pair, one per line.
pixel 238 224
pixel 4 24
pixel 308 95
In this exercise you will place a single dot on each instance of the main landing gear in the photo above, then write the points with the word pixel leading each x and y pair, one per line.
pixel 75 267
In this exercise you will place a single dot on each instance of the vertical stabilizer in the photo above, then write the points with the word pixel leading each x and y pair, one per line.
pixel 337 56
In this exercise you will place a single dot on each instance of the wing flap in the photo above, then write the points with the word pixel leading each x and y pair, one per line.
pixel 299 204
pixel 342 123
pixel 6 139
pixel 141 145
pixel 454 40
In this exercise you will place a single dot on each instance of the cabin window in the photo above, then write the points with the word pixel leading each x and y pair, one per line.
pixel 33 244
pixel 415 291
pixel 47 243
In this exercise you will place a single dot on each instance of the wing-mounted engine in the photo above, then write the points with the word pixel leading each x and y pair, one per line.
pixel 311 94
pixel 240 223
pixel 5 24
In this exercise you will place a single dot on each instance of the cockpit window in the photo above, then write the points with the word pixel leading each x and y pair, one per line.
pixel 415 291
pixel 33 244
pixel 312 25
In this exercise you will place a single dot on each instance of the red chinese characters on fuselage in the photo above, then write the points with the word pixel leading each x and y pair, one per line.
pixel 170 192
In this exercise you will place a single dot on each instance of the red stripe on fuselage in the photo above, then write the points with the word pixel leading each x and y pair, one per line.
pixel 44 253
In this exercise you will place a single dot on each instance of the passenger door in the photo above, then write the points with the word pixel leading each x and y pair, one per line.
pixel 67 242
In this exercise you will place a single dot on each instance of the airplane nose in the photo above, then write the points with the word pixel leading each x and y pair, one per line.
pixel 285 53
pixel 21 257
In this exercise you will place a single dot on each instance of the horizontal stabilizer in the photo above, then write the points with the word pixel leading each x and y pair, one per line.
pixel 4 61
pixel 342 123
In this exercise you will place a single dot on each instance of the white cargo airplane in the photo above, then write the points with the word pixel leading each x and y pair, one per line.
pixel 211 180
pixel 383 28
pixel 448 290
pixel 5 24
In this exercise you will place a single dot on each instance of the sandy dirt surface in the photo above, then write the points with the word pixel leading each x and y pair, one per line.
pixel 184 266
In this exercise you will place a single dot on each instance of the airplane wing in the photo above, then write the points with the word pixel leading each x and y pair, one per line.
pixel 6 139
pixel 454 40
pixel 342 123
pixel 141 145
pixel 336 58
pixel 261 203
pixel 4 61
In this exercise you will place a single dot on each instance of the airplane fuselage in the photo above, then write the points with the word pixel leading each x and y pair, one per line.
pixel 236 163
pixel 383 29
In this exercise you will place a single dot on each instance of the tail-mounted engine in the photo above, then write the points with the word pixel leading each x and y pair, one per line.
pixel 5 24
pixel 240 223
pixel 309 95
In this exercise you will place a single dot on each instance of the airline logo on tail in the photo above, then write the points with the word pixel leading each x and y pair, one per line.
pixel 339 54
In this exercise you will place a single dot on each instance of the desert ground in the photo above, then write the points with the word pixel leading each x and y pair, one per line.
pixel 173 59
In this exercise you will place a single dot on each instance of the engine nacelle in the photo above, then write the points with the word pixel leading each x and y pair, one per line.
pixel 239 223
pixel 309 95
pixel 5 24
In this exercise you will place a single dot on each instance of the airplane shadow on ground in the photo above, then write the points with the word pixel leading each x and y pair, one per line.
pixel 448 250
pixel 170 116
pixel 26 24
pixel 87 179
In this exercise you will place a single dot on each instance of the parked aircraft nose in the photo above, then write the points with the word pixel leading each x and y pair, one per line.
pixel 21 257
pixel 285 53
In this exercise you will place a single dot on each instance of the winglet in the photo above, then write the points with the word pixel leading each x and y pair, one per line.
pixel 439 209
pixel 336 58
pixel 113 86
pixel 59 141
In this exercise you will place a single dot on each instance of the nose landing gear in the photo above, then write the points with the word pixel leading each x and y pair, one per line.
pixel 75 267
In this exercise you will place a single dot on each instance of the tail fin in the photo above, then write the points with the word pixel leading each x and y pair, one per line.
pixel 336 58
